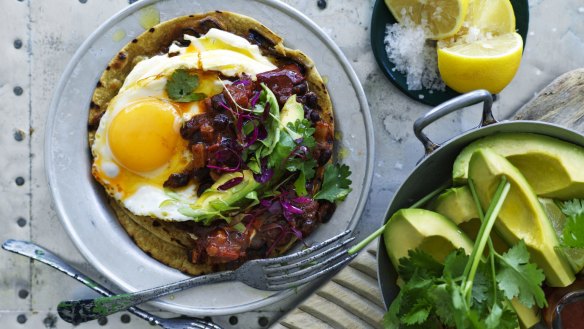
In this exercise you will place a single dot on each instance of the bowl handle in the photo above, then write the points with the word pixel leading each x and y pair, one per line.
pixel 450 106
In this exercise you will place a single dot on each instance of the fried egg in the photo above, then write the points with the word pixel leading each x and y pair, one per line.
pixel 137 145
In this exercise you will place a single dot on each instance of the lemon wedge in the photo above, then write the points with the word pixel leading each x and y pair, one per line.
pixel 484 64
pixel 491 16
pixel 442 18
pixel 575 256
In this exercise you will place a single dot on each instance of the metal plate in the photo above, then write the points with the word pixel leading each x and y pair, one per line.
pixel 80 201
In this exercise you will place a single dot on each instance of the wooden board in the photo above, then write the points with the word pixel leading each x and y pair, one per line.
pixel 353 299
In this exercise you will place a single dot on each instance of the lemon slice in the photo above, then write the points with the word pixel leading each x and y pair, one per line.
pixel 442 18
pixel 484 64
pixel 491 16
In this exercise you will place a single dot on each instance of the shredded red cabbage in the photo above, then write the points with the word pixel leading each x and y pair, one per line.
pixel 230 183
pixel 288 207
pixel 265 174
pixel 255 98
pixel 244 82
pixel 302 199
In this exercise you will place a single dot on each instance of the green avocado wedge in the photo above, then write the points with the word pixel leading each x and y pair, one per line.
pixel 553 168
pixel 522 217
pixel 423 229
pixel 458 205
pixel 435 234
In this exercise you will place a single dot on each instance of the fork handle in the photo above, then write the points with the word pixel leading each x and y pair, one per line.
pixel 78 311
pixel 43 255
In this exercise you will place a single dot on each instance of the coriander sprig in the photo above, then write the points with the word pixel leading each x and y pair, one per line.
pixel 456 293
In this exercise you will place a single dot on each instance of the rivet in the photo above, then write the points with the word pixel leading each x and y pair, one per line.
pixel 263 321
pixel 18 90
pixel 125 318
pixel 17 43
pixel 83 1
pixel 23 293
pixel 321 4
pixel 19 181
pixel 21 222
pixel 19 135
pixel 21 318
pixel 233 320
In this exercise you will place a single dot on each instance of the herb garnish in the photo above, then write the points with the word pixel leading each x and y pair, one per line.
pixel 573 232
pixel 335 184
pixel 466 291
pixel 181 86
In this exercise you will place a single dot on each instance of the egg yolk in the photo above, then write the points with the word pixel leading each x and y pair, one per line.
pixel 143 135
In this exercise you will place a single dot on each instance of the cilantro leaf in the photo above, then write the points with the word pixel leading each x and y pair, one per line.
pixel 305 166
pixel 517 277
pixel 573 207
pixel 444 308
pixel 303 128
pixel 420 263
pixel 454 263
pixel 181 85
pixel 300 184
pixel 492 321
pixel 335 184
pixel 419 313
pixel 573 233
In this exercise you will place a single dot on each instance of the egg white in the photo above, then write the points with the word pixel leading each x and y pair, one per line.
pixel 218 51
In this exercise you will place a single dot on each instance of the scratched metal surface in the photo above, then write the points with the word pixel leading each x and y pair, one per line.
pixel 37 39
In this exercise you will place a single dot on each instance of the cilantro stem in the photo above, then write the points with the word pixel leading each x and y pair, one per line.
pixel 483 236
pixel 356 248
pixel 492 251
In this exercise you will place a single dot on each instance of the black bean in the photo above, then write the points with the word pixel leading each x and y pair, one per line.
pixel 300 89
pixel 221 121
pixel 310 99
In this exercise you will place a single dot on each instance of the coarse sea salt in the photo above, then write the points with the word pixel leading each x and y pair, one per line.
pixel 407 48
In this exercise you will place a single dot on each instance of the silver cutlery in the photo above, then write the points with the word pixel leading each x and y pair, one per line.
pixel 266 274
pixel 45 256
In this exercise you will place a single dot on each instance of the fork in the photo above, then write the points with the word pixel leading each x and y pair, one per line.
pixel 266 274
pixel 47 257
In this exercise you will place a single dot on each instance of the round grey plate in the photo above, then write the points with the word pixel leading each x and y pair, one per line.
pixel 81 203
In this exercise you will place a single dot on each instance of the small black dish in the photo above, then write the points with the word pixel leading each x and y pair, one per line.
pixel 382 16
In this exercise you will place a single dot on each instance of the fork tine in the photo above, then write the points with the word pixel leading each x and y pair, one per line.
pixel 288 276
pixel 198 324
pixel 312 277
pixel 310 259
pixel 278 260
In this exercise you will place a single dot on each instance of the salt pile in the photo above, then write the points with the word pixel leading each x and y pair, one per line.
pixel 407 48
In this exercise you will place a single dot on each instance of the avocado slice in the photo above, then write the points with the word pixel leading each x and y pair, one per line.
pixel 214 200
pixel 413 228
pixel 458 205
pixel 435 234
pixel 221 200
pixel 291 112
pixel 521 217
pixel 553 168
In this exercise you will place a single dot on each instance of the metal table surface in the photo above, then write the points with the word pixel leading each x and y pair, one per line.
pixel 37 39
